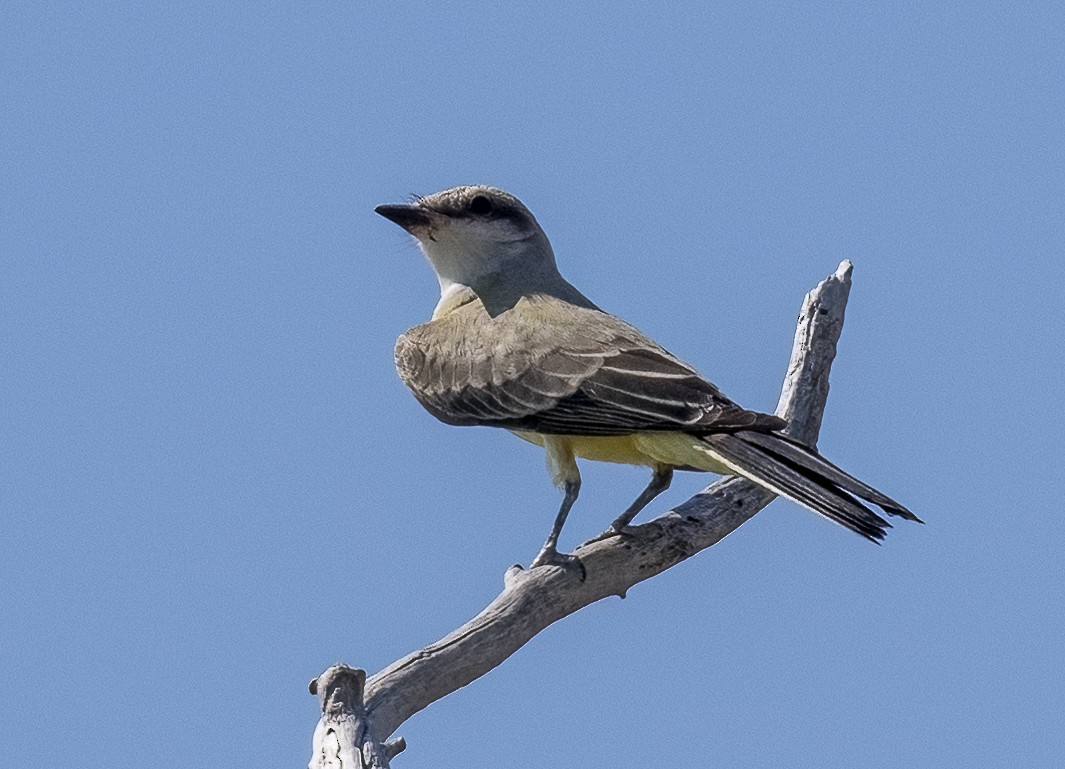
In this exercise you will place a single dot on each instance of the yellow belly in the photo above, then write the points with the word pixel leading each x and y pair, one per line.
pixel 650 449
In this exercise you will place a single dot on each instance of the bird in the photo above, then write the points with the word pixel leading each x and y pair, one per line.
pixel 512 344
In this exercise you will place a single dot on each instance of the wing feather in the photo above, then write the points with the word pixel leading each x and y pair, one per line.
pixel 569 375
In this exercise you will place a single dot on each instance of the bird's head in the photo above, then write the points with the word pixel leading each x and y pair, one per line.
pixel 471 234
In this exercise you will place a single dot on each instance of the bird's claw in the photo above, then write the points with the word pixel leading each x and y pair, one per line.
pixel 613 531
pixel 567 561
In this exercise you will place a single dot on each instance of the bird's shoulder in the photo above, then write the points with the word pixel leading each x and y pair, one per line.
pixel 469 347
pixel 532 327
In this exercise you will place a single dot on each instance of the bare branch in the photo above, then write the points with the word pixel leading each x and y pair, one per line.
pixel 534 599
pixel 805 391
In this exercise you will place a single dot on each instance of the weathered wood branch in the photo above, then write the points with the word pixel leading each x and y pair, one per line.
pixel 359 714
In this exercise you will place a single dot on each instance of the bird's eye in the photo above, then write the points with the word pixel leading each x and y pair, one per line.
pixel 480 205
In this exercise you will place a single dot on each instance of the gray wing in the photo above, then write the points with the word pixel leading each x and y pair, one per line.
pixel 645 388
pixel 599 377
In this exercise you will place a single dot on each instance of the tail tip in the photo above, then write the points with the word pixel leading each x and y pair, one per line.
pixel 902 512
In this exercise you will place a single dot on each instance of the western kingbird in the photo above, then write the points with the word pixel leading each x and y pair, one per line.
pixel 512 344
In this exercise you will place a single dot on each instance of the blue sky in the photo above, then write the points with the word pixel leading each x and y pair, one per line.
pixel 213 485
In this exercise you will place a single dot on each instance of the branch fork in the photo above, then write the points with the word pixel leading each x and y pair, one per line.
pixel 344 731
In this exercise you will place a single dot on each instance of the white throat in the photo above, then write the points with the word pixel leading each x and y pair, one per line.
pixel 452 295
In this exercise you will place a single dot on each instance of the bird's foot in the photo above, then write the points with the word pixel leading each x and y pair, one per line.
pixel 613 531
pixel 549 556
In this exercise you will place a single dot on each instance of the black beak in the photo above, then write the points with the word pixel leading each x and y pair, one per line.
pixel 407 217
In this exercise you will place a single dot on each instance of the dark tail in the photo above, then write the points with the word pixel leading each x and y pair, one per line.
pixel 795 471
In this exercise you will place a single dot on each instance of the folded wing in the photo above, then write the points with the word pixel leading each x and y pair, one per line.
pixel 590 383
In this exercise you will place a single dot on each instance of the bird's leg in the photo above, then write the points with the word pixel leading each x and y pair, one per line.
pixel 549 554
pixel 663 476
